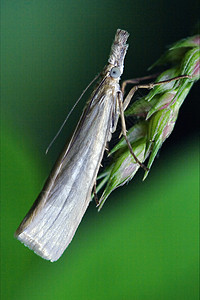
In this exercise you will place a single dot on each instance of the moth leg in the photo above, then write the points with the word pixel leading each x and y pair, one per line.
pixel 120 101
pixel 123 105
pixel 95 193
pixel 137 80
pixel 107 147
pixel 148 86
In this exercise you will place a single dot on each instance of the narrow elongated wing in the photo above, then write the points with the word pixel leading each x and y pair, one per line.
pixel 50 226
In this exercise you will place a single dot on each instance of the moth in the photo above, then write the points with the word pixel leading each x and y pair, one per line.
pixel 52 221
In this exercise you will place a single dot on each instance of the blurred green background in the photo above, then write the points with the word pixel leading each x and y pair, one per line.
pixel 144 243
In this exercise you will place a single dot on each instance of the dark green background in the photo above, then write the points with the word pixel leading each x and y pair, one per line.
pixel 144 243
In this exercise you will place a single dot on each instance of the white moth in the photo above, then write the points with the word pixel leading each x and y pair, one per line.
pixel 51 223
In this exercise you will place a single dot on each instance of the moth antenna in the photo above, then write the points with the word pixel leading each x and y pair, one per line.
pixel 63 124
